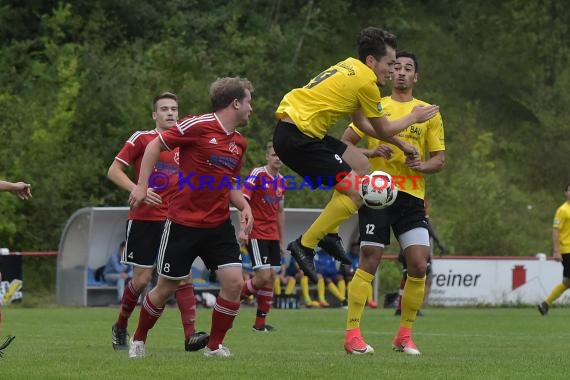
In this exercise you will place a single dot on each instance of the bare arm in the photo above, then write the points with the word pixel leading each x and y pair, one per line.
pixel 383 128
pixel 281 226
pixel 150 157
pixel 556 244
pixel 117 175
pixel 246 218
pixel 22 189
pixel 352 138
pixel 433 165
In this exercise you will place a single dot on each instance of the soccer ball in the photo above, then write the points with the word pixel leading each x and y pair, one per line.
pixel 208 300
pixel 378 190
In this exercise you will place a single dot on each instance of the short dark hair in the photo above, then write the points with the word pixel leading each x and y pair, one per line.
pixel 164 95
pixel 372 41
pixel 225 90
pixel 412 56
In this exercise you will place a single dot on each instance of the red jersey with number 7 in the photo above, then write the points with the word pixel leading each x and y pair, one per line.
pixel 265 193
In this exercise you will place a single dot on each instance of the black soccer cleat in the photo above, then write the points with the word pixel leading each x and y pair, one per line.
pixel 5 344
pixel 120 337
pixel 305 258
pixel 196 341
pixel 264 328
pixel 332 244
pixel 543 308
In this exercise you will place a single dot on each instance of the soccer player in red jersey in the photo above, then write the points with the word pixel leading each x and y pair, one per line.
pixel 145 224
pixel 198 224
pixel 264 188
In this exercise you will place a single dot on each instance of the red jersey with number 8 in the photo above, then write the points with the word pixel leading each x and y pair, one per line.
pixel 210 161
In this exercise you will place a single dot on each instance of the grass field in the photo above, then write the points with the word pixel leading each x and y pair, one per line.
pixel 485 343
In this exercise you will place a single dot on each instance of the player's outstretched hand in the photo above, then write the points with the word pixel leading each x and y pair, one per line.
pixel 424 113
pixel 23 190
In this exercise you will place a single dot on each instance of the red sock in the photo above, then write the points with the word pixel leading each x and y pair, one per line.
pixel 223 317
pixel 264 300
pixel 148 317
pixel 248 289
pixel 187 305
pixel 128 304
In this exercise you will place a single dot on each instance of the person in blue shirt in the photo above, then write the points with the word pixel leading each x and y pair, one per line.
pixel 328 276
pixel 117 273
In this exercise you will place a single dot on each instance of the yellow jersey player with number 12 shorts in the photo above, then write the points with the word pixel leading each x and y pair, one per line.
pixel 406 217
pixel 348 88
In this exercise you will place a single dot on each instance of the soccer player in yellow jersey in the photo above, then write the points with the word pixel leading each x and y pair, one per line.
pixel 406 216
pixel 305 114
pixel 560 251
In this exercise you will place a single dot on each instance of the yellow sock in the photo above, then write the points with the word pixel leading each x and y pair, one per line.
pixel 290 286
pixel 555 293
pixel 321 289
pixel 335 292
pixel 277 287
pixel 339 209
pixel 370 293
pixel 357 293
pixel 342 288
pixel 412 300
pixel 305 289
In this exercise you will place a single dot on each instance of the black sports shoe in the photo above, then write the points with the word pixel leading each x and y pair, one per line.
pixel 196 341
pixel 332 244
pixel 543 308
pixel 304 257
pixel 120 337
pixel 264 328
pixel 5 344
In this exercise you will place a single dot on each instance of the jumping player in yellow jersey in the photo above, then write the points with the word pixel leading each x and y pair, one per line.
pixel 560 250
pixel 406 216
pixel 305 114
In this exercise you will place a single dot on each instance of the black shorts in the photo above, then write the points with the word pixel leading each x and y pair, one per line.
pixel 264 254
pixel 143 240
pixel 404 215
pixel 566 265
pixel 181 245
pixel 319 162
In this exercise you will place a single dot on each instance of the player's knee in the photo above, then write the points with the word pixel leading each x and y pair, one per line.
pixel 140 281
pixel 417 269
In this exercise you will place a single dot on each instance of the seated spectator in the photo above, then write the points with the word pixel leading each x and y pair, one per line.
pixel 328 274
pixel 286 276
pixel 289 274
pixel 117 273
